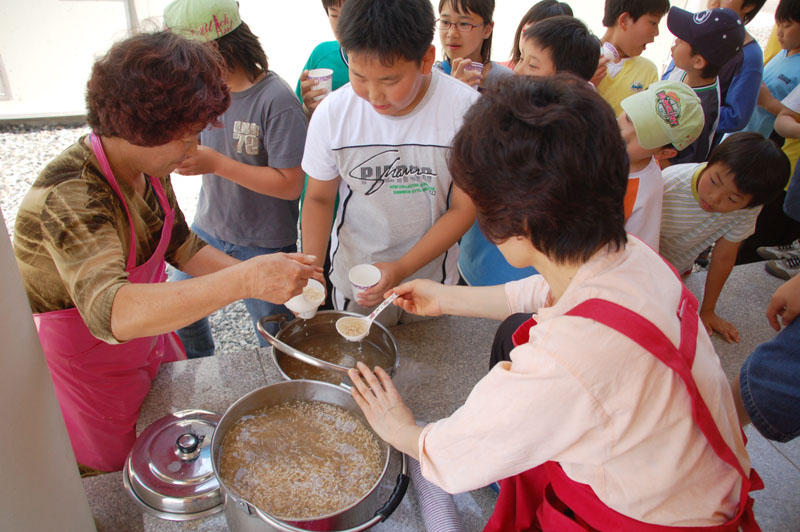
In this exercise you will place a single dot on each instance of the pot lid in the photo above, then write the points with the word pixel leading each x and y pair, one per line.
pixel 168 471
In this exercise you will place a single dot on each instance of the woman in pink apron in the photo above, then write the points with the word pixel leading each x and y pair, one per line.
pixel 94 234
pixel 610 411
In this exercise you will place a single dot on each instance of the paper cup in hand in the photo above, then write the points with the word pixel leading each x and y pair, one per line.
pixel 323 79
pixel 362 277
pixel 475 66
pixel 305 304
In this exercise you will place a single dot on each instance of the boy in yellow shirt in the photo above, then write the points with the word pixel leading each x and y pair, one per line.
pixel 631 26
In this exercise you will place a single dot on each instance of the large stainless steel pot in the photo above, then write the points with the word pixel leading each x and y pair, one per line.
pixel 323 325
pixel 242 516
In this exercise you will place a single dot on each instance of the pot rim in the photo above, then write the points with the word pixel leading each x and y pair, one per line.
pixel 278 344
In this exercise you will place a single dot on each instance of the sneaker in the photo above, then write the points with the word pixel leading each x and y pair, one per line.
pixel 702 260
pixel 787 251
pixel 784 268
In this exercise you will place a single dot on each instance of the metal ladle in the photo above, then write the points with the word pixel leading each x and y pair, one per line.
pixel 346 325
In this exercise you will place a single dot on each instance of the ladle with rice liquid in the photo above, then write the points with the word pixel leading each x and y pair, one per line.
pixel 356 329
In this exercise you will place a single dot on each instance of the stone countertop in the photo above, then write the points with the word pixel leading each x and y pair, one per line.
pixel 440 361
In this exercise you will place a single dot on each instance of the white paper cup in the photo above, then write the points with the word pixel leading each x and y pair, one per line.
pixel 323 78
pixel 305 305
pixel 474 67
pixel 363 276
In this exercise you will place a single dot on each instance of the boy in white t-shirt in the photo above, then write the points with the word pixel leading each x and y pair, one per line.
pixel 656 124
pixel 382 142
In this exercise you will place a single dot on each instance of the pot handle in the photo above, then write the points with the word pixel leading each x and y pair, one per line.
pixel 381 515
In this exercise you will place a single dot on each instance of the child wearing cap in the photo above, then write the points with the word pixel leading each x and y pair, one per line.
pixel 382 143
pixel 556 44
pixel 704 42
pixel 655 124
pixel 250 166
pixel 718 203
pixel 631 26
pixel 739 78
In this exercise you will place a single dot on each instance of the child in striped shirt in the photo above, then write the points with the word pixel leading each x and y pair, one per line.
pixel 717 203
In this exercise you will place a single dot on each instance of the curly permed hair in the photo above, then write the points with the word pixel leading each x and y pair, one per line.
pixel 152 88
pixel 524 133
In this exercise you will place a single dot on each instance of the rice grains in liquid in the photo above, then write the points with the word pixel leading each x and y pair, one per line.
pixel 301 459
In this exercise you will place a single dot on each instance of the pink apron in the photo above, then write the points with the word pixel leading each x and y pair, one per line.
pixel 545 498
pixel 100 387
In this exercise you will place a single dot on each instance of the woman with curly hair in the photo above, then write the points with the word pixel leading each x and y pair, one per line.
pixel 94 232
pixel 608 410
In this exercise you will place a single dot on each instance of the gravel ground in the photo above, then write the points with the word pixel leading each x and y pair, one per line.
pixel 25 150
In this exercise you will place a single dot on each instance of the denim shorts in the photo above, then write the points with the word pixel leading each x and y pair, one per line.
pixel 769 382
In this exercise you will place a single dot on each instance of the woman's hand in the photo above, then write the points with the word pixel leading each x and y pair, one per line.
pixel 420 297
pixel 309 93
pixel 277 277
pixel 384 409
pixel 712 323
pixel 459 71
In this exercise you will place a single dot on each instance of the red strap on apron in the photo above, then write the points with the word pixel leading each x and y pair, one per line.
pixel 545 498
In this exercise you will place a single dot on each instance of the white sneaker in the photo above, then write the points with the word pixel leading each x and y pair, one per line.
pixel 786 251
pixel 784 268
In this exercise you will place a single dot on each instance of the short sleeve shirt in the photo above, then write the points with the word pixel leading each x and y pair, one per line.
pixel 264 126
pixel 72 237
pixel 686 229
pixel 636 74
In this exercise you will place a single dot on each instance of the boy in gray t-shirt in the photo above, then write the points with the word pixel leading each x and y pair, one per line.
pixel 250 166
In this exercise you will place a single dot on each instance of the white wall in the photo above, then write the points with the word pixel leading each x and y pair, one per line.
pixel 48 61
pixel 40 488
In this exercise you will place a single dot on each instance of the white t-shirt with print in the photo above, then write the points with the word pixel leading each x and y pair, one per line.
pixel 395 182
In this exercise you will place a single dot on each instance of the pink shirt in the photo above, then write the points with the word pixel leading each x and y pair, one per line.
pixel 607 410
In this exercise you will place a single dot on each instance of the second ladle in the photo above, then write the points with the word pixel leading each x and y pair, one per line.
pixel 356 329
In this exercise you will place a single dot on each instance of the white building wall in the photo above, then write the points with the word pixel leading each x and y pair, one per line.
pixel 48 46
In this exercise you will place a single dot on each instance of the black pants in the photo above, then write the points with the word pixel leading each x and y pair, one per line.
pixel 773 228
pixel 503 343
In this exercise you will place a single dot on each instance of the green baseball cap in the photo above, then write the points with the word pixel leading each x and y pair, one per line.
pixel 202 20
pixel 668 112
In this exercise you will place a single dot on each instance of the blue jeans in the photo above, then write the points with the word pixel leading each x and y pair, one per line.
pixel 769 382
pixel 197 337
pixel 791 205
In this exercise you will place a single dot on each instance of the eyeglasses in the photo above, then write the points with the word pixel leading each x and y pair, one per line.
pixel 462 27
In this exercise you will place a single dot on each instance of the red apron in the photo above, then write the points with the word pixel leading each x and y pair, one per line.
pixel 100 387
pixel 545 498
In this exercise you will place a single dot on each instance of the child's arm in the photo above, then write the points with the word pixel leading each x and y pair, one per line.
pixel 443 233
pixel 282 183
pixel 723 257
pixel 740 101
pixel 308 94
pixel 768 101
pixel 788 124
pixel 317 217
